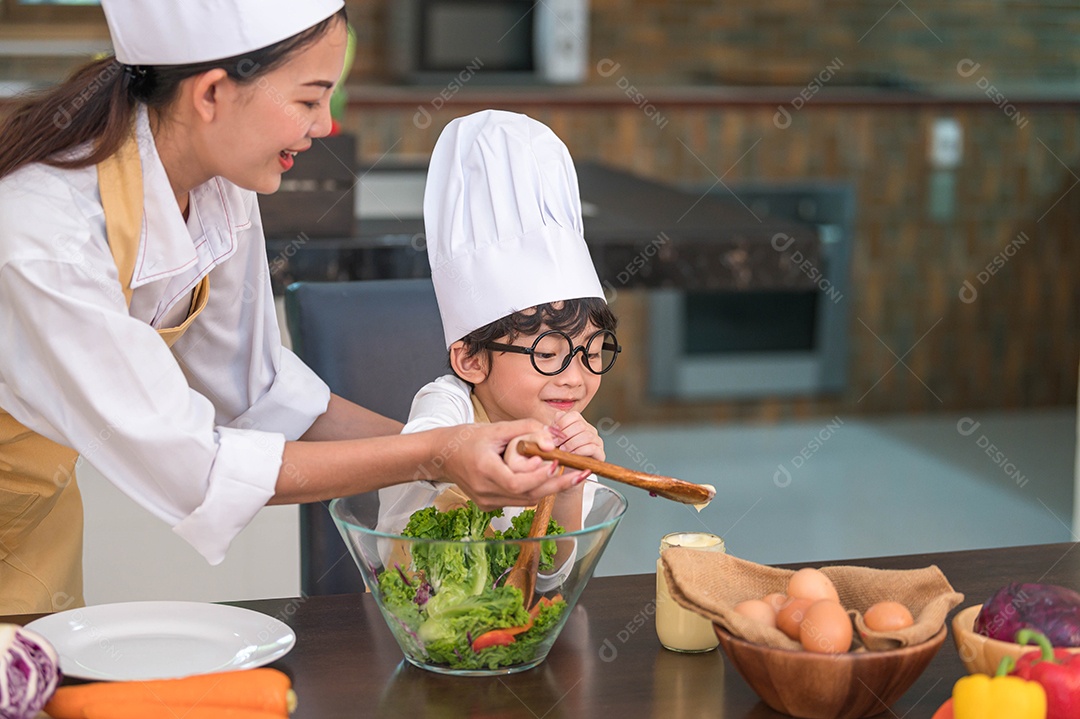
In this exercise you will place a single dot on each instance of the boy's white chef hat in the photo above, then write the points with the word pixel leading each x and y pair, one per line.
pixel 503 219
pixel 150 32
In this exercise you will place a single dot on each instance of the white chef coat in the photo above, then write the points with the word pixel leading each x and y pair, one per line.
pixel 446 402
pixel 194 434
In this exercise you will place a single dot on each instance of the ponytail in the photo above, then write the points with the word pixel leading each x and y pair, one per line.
pixel 94 104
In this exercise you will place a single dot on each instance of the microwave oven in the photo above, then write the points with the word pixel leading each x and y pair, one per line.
pixel 456 42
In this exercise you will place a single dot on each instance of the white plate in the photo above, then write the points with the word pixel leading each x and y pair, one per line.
pixel 161 640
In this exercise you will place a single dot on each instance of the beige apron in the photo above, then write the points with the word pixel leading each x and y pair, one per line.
pixel 41 518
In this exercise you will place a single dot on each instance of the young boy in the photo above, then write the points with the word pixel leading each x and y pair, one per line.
pixel 524 317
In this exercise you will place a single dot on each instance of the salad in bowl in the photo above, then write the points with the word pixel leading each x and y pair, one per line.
pixel 442 584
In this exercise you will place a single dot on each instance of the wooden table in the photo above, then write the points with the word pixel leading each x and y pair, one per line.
pixel 606 663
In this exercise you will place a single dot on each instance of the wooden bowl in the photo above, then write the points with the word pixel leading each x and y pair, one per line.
pixel 828 686
pixel 980 654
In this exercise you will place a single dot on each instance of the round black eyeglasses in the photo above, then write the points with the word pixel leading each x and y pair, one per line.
pixel 552 351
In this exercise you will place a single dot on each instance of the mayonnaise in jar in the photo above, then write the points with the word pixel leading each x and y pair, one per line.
pixel 677 628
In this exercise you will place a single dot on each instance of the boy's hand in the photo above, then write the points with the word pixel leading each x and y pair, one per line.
pixel 578 436
pixel 483 461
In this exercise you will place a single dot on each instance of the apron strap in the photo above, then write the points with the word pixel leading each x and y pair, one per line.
pixel 121 185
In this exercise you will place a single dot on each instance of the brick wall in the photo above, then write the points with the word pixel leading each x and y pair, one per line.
pixel 788 42
pixel 1016 343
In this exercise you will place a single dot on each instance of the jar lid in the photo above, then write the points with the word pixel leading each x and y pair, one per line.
pixel 693 540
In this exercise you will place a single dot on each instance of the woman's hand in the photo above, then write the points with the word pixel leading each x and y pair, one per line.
pixel 578 436
pixel 472 457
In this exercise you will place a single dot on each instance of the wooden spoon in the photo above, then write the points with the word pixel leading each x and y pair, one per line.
pixel 523 574
pixel 667 487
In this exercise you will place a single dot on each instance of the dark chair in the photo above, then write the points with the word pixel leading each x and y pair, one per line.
pixel 376 343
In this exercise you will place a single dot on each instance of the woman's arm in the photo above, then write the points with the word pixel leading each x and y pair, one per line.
pixel 470 456
pixel 347 420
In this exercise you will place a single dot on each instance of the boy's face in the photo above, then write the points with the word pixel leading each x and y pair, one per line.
pixel 510 387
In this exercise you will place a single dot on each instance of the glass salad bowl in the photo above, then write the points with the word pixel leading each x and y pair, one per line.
pixel 448 602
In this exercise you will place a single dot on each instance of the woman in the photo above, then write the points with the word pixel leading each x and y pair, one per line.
pixel 136 306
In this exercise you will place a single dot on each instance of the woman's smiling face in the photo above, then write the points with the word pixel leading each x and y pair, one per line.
pixel 265 122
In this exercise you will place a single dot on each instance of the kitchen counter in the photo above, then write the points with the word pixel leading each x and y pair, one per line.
pixel 607 662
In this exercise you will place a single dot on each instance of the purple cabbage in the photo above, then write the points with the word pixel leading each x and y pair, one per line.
pixel 423 594
pixel 1046 608
pixel 29 672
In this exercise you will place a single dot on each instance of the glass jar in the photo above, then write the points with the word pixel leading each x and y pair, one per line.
pixel 680 629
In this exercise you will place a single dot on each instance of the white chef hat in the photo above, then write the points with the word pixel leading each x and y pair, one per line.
pixel 181 32
pixel 503 219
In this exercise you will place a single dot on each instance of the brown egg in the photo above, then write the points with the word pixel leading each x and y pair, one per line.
pixel 791 616
pixel 757 610
pixel 887 617
pixel 811 584
pixel 776 600
pixel 826 628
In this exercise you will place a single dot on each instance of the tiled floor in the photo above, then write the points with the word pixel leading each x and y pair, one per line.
pixel 853 487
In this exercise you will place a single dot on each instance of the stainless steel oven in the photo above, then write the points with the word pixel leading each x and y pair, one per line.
pixel 763 342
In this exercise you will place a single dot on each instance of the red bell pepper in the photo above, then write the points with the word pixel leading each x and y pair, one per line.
pixel 494 638
pixel 1056 669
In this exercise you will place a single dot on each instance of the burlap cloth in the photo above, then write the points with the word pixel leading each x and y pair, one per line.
pixel 712 583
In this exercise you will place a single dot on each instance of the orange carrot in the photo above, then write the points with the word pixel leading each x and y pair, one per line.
pixel 266 690
pixel 161 711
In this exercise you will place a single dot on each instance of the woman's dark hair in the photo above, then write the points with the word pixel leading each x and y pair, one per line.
pixel 571 317
pixel 97 102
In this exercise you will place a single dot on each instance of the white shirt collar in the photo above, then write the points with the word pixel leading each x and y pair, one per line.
pixel 167 247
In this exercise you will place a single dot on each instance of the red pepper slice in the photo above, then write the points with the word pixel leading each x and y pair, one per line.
pixel 494 638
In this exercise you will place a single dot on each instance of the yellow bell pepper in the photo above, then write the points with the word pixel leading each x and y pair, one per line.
pixel 981 697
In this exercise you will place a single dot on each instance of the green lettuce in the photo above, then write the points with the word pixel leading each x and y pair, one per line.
pixel 448 597
pixel 504 556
